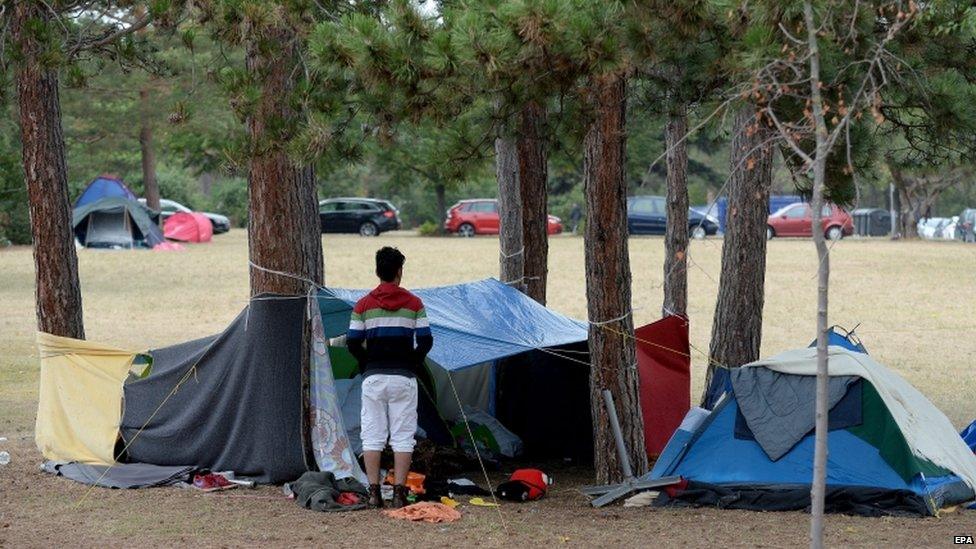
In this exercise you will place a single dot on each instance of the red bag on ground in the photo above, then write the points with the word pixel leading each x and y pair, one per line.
pixel 525 485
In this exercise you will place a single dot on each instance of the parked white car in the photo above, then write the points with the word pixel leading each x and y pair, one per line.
pixel 931 228
pixel 949 229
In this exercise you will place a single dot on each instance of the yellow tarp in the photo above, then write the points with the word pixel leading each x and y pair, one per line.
pixel 79 408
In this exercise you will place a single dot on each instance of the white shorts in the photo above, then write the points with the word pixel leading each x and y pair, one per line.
pixel 389 412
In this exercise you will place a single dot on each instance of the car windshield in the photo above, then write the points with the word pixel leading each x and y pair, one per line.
pixel 782 211
pixel 645 205
pixel 172 206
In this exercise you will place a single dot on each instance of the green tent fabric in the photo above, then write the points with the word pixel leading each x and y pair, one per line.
pixel 344 365
pixel 116 222
pixel 879 429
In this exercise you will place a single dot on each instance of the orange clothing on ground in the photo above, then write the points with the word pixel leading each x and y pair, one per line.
pixel 425 511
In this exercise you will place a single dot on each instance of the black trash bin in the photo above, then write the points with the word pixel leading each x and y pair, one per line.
pixel 872 222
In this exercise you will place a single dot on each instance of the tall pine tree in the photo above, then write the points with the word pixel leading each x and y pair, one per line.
pixel 45 38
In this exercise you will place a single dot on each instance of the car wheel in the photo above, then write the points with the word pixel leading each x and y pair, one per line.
pixel 769 233
pixel 368 229
pixel 698 232
pixel 835 233
pixel 466 230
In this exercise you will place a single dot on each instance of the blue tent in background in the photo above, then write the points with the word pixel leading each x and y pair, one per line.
pixel 104 186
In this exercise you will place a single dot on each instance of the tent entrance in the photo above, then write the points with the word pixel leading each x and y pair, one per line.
pixel 109 229
pixel 544 398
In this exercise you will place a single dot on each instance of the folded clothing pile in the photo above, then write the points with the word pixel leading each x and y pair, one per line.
pixel 322 491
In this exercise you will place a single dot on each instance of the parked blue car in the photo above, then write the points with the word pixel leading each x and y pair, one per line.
pixel 648 215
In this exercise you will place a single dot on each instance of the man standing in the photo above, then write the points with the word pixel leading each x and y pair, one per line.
pixel 388 320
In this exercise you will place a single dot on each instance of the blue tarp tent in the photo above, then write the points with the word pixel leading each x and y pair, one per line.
pixel 500 352
pixel 472 323
pixel 104 186
pixel 872 469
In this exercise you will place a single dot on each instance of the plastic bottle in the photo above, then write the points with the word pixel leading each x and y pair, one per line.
pixel 4 458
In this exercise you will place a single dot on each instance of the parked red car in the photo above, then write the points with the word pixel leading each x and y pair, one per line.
pixel 480 216
pixel 797 220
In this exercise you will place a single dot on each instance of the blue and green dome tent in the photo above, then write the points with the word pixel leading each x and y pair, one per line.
pixel 116 223
pixel 104 186
pixel 890 450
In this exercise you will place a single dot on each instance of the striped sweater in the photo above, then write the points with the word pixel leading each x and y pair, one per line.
pixel 383 328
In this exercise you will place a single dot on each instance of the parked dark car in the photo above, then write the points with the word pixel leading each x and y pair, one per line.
pixel 221 224
pixel 366 216
pixel 648 215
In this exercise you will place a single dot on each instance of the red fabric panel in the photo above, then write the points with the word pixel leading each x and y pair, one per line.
pixel 664 367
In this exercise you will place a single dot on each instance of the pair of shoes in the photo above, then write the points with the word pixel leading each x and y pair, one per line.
pixel 375 496
pixel 211 482
pixel 399 496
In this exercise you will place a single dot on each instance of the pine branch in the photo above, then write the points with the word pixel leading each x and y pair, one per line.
pixel 112 37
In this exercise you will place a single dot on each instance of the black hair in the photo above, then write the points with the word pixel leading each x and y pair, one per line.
pixel 389 261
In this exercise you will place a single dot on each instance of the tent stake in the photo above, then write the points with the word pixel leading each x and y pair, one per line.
pixel 630 485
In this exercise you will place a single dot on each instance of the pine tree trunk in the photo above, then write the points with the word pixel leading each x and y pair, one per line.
pixel 737 325
pixel 532 177
pixel 149 186
pixel 57 290
pixel 676 232
pixel 284 231
pixel 608 281
pixel 206 181
pixel 283 225
pixel 511 254
pixel 909 211
pixel 441 194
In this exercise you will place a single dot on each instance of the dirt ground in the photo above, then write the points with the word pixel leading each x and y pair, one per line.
pixel 37 510
pixel 914 302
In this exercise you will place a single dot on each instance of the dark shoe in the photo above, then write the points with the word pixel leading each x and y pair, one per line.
pixel 399 496
pixel 375 496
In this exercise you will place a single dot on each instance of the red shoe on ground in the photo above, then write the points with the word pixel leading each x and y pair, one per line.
pixel 211 483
